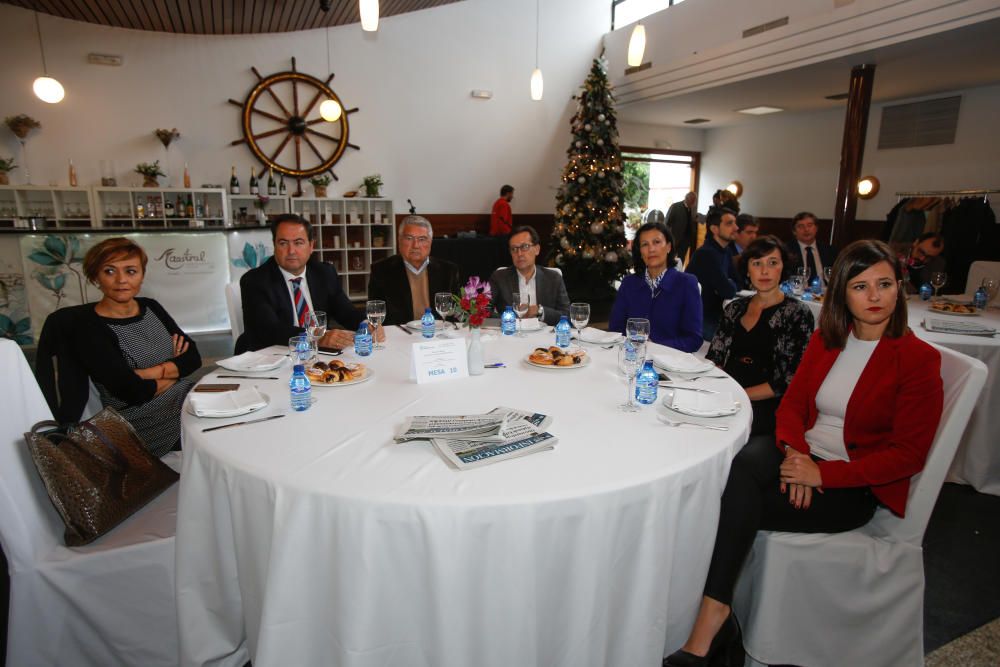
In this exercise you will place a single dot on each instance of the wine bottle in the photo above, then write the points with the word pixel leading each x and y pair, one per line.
pixel 179 207
pixel 72 175
pixel 187 176
pixel 254 188
pixel 199 209
pixel 234 183
pixel 272 187
pixel 189 207
pixel 281 187
pixel 140 208
pixel 168 208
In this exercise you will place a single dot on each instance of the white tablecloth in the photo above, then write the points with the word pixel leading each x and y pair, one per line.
pixel 977 461
pixel 314 540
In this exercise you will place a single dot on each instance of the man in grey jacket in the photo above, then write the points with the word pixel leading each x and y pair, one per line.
pixel 546 291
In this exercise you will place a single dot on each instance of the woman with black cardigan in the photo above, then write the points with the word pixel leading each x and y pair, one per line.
pixel 131 348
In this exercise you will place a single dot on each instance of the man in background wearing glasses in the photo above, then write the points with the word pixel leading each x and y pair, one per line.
pixel 546 291
pixel 407 282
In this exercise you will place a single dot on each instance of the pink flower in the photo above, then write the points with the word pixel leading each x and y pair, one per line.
pixel 477 285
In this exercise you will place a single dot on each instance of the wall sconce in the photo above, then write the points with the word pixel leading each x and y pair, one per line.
pixel 736 188
pixel 868 187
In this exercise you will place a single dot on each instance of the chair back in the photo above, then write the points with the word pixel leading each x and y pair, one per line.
pixel 980 270
pixel 29 525
pixel 963 378
pixel 234 305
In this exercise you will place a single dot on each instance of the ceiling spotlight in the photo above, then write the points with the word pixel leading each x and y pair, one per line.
pixel 759 111
pixel 868 187
pixel 369 15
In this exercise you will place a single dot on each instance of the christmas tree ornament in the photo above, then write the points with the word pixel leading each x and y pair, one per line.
pixel 600 117
pixel 581 180
pixel 596 228
pixel 587 127
pixel 600 142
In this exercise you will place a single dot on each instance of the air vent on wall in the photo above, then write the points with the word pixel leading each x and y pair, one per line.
pixel 696 121
pixel 926 123
pixel 764 27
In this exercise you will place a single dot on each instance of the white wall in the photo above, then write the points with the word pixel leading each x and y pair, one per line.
pixel 661 136
pixel 417 125
pixel 791 162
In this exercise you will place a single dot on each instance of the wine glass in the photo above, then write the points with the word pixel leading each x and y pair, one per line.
pixel 375 309
pixel 522 302
pixel 637 330
pixel 827 274
pixel 631 356
pixel 444 304
pixel 303 349
pixel 316 324
pixel 991 285
pixel 798 285
pixel 579 315
pixel 938 280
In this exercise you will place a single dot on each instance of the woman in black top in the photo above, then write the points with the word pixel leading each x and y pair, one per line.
pixel 132 349
pixel 761 338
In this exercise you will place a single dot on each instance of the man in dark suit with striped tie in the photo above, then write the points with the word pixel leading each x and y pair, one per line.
pixel 807 250
pixel 279 294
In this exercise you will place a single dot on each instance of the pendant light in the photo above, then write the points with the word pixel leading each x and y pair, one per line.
pixel 46 88
pixel 369 15
pixel 636 45
pixel 536 75
pixel 329 109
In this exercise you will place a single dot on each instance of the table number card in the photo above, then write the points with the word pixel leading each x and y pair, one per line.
pixel 437 360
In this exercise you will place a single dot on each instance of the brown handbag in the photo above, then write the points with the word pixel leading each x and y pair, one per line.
pixel 97 473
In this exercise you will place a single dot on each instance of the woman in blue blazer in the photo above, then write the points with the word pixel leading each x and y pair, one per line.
pixel 660 293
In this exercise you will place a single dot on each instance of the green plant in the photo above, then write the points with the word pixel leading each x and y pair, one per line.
pixel 322 180
pixel 167 136
pixel 7 164
pixel 149 170
pixel 372 184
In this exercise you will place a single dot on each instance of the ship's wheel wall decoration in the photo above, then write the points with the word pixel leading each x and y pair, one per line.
pixel 280 131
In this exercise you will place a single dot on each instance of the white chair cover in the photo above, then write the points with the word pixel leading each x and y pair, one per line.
pixel 980 270
pixel 854 598
pixel 109 603
pixel 234 305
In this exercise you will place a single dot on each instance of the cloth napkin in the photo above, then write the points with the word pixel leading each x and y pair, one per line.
pixel 226 403
pixel 703 404
pixel 250 361
pixel 675 360
pixel 530 323
pixel 593 335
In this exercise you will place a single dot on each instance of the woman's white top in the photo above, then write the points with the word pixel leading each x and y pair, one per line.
pixel 826 437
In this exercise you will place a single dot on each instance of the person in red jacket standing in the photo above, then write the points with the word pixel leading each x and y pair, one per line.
pixel 855 424
pixel 501 219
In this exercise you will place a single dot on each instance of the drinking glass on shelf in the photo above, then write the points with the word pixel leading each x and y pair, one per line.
pixel 375 309
pixel 938 280
pixel 630 359
pixel 579 315
pixel 522 302
pixel 637 330
pixel 303 349
pixel 316 326
pixel 444 304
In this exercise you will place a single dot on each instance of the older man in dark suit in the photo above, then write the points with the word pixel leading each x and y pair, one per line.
pixel 548 300
pixel 807 250
pixel 279 295
pixel 682 225
pixel 407 282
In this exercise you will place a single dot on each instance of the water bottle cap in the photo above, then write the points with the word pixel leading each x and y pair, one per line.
pixel 427 310
pixel 299 368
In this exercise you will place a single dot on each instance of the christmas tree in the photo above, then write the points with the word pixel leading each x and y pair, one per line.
pixel 588 238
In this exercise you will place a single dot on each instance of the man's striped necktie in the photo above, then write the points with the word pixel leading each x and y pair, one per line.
pixel 301 307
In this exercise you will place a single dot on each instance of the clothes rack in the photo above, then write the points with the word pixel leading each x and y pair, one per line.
pixel 949 193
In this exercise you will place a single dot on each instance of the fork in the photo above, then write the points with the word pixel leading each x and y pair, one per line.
pixel 713 427
pixel 706 377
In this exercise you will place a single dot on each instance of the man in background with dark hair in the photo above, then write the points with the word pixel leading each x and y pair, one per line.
pixel 548 300
pixel 712 264
pixel 746 232
pixel 502 219
pixel 925 257
pixel 681 223
pixel 279 295
pixel 807 250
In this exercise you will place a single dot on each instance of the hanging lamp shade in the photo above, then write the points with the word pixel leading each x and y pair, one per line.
pixel 330 110
pixel 369 15
pixel 636 45
pixel 48 90
pixel 536 85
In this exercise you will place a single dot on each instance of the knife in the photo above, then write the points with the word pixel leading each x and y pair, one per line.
pixel 404 329
pixel 249 421
pixel 247 377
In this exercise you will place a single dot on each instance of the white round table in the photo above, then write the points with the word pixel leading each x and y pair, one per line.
pixel 315 540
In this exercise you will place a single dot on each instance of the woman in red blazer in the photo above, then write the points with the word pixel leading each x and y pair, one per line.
pixel 856 422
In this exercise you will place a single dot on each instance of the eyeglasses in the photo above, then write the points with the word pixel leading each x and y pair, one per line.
pixel 419 240
pixel 524 247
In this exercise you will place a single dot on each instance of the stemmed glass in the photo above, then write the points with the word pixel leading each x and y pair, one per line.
pixel 375 309
pixel 522 302
pixel 938 280
pixel 631 356
pixel 316 324
pixel 303 349
pixel 444 304
pixel 991 285
pixel 827 274
pixel 637 330
pixel 579 315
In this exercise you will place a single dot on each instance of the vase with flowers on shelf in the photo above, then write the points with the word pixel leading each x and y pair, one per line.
pixel 372 184
pixel 7 165
pixel 319 184
pixel 150 172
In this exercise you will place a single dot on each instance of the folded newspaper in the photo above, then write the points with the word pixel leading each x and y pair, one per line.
pixel 470 441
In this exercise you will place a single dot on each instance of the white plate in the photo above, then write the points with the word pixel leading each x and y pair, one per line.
pixel 668 397
pixel 935 311
pixel 439 326
pixel 190 410
pixel 364 378
pixel 278 360
pixel 552 367
pixel 528 329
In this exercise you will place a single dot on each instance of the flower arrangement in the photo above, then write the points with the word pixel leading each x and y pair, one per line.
pixel 21 124
pixel 322 180
pixel 7 164
pixel 149 170
pixel 166 136
pixel 472 304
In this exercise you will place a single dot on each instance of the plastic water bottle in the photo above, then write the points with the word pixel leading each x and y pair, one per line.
pixel 979 300
pixel 562 332
pixel 646 384
pixel 508 322
pixel 926 291
pixel 816 286
pixel 301 389
pixel 363 341
pixel 427 324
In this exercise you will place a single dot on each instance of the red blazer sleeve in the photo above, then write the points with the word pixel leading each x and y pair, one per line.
pixel 795 412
